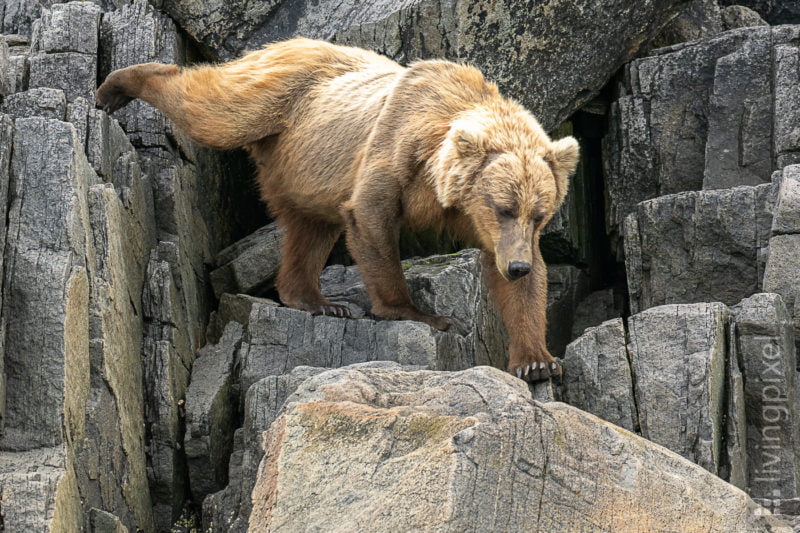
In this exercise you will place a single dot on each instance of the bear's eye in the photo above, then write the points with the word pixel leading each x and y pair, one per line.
pixel 507 212
pixel 537 218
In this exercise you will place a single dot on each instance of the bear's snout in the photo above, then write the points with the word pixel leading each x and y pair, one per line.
pixel 517 269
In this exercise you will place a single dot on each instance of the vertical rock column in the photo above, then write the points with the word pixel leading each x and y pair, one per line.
pixel 189 191
pixel 45 309
pixel 782 272
pixel 764 344
pixel 678 357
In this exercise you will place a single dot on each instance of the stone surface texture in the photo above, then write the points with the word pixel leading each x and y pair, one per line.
pixel 737 16
pixel 765 351
pixel 483 456
pixel 709 114
pixel 717 385
pixel 782 269
pixel 698 246
pixel 700 19
pixel 96 355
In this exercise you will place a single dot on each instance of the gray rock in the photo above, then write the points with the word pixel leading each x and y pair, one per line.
pixel 211 414
pixel 78 116
pixel 40 102
pixel 734 465
pixel 73 73
pixel 597 375
pixel 137 33
pixel 596 308
pixel 697 246
pixel 732 123
pixel 19 69
pixel 280 339
pixel 249 265
pixel 773 11
pixel 229 510
pixel 192 209
pixel 65 53
pixel 221 510
pixel 6 70
pixel 6 144
pixel 678 355
pixel 19 15
pixel 782 273
pixel 699 20
pixel 121 238
pixel 383 449
pixel 70 27
pixel 782 269
pixel 236 308
pixel 46 287
pixel 103 522
pixel 448 285
pixel 737 16
pixel 786 217
pixel 786 80
pixel 508 42
pixel 167 357
pixel 766 351
pixel 40 492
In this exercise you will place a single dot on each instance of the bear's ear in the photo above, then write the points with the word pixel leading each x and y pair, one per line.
pixel 468 138
pixel 562 156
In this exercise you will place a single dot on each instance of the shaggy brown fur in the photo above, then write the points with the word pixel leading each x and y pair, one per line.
pixel 345 139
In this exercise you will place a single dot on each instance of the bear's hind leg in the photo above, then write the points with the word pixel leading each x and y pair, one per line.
pixel 306 246
pixel 144 81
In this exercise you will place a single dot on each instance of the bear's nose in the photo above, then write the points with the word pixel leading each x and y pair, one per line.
pixel 517 269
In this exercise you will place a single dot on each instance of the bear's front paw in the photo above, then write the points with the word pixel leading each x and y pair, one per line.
pixel 532 364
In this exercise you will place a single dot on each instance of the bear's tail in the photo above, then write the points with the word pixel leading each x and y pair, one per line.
pixel 232 104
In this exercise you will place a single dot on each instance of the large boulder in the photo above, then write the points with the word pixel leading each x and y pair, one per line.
pixel 385 449
pixel 678 355
pixel 526 49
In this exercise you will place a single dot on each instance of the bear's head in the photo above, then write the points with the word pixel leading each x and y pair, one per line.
pixel 509 178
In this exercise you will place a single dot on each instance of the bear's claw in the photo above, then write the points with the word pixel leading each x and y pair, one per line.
pixel 538 371
pixel 339 310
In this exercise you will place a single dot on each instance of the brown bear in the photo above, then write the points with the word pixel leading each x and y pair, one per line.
pixel 347 140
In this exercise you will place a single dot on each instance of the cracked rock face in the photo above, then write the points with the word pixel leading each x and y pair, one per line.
pixel 782 269
pixel 484 456
pixel 104 299
pixel 716 385
pixel 119 402
pixel 698 246
pixel 732 122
